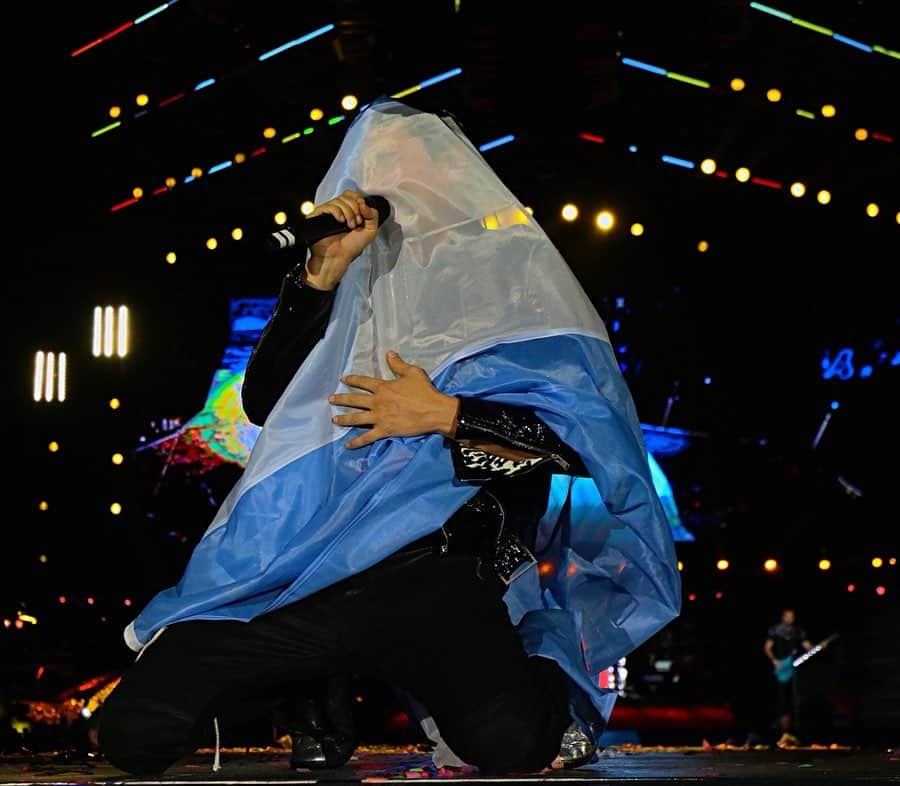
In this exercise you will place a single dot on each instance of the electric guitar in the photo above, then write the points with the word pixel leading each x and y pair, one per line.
pixel 785 668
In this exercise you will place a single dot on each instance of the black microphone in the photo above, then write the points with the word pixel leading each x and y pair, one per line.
pixel 311 230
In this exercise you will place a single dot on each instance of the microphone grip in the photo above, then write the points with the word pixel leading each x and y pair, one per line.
pixel 312 230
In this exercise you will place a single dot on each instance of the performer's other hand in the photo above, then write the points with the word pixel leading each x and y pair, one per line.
pixel 332 255
pixel 404 407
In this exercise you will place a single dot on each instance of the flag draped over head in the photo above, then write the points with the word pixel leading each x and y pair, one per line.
pixel 464 283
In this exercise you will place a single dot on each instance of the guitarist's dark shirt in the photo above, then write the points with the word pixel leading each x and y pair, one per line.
pixel 787 640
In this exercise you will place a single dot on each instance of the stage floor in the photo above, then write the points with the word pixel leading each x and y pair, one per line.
pixel 377 764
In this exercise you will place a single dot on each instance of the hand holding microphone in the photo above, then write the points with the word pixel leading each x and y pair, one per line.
pixel 336 232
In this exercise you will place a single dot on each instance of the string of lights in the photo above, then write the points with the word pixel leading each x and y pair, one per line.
pixel 773 94
pixel 123 27
pixel 770 566
pixel 348 103
pixel 825 31
pixel 143 100
pixel 605 220
pixel 742 174
pixel 306 207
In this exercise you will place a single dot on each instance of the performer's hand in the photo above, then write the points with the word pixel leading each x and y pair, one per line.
pixel 404 407
pixel 332 255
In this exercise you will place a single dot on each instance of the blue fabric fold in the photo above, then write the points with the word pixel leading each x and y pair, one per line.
pixel 607 576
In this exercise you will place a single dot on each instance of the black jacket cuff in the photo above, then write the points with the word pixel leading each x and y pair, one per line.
pixel 514 427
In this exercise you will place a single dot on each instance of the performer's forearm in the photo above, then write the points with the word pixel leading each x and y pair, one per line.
pixel 297 323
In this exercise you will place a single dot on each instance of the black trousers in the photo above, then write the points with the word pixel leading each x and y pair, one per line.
pixel 427 624
pixel 786 703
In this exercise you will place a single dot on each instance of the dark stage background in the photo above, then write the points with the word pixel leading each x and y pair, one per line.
pixel 789 317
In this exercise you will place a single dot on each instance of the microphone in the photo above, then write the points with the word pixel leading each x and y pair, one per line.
pixel 311 230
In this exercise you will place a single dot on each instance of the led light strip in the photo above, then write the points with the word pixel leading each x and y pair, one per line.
pixel 825 31
pixel 208 82
pixel 122 28
pixel 684 163
pixel 306 132
pixel 652 69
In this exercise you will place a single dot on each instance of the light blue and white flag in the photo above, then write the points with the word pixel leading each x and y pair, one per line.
pixel 463 282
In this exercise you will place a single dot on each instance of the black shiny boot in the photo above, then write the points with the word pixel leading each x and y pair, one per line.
pixel 320 725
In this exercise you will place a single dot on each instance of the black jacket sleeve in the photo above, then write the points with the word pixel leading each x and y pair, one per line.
pixel 512 426
pixel 295 327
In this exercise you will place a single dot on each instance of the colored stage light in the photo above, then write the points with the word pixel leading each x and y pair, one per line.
pixel 707 166
pixel 861 134
pixel 703 246
pixel 823 197
pixel 269 132
pixel 678 162
pixel 742 174
pixel 637 230
pixel 240 158
pixel 115 111
pixel 115 508
pixel 349 102
pixel 824 564
pixel 280 217
pixel 103 130
pixel 569 212
pixel 237 233
pixel 114 403
pixel 307 207
pixel 53 447
pixel 687 79
pixel 773 94
pixel 496 143
pixel 872 210
pixel 170 257
pixel 604 220
pixel 722 564
pixel 644 66
pixel 798 189
pixel 117 458
pixel 826 31
pixel 142 99
pixel 828 110
pixel 302 40
pixel 316 114
pixel 738 84
pixel 770 565
pixel 42 505
pixel 212 244
pixel 196 172
pixel 428 82
pixel 877 562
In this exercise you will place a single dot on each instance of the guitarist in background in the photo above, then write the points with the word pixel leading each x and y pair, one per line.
pixel 783 643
